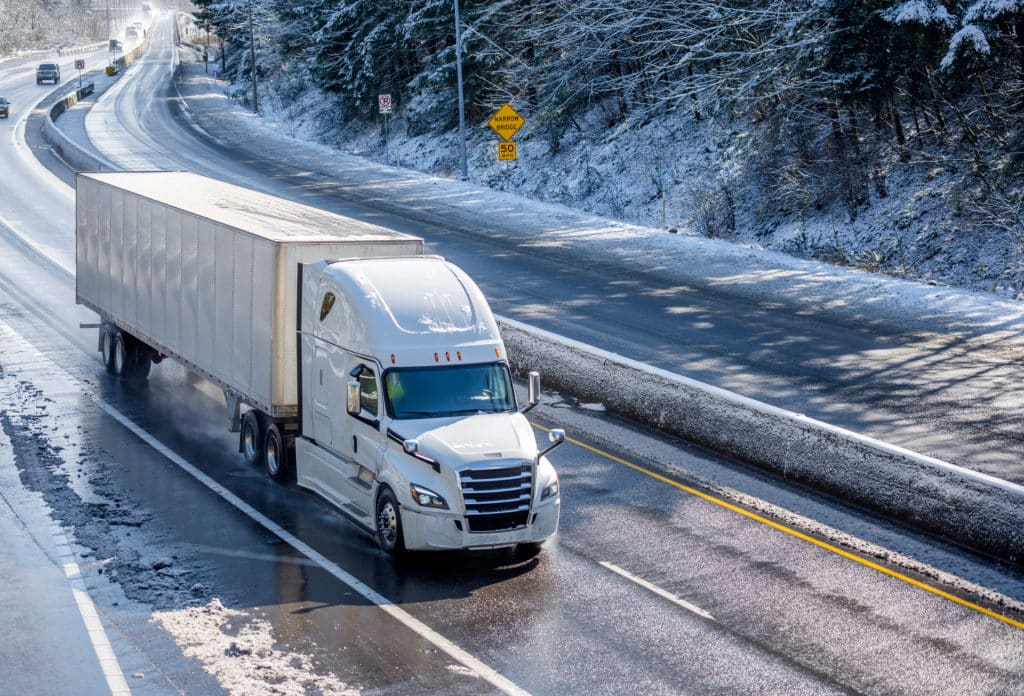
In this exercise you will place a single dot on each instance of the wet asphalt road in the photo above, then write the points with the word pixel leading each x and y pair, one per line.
pixel 788 616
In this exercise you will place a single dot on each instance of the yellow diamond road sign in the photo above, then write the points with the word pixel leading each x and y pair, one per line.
pixel 506 122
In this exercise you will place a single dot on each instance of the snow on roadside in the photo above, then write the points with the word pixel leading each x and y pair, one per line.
pixel 239 651
pixel 131 567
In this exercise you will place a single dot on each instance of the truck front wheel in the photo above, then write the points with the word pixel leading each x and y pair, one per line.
pixel 389 524
pixel 276 454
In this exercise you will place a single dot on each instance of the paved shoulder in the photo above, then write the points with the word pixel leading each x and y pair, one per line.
pixel 47 649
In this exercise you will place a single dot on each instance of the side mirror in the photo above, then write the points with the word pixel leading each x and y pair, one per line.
pixel 556 436
pixel 352 398
pixel 411 446
pixel 533 386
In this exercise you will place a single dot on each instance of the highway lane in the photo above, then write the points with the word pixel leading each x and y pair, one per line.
pixel 562 622
pixel 786 616
pixel 936 394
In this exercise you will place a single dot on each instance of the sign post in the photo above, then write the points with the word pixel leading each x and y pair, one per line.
pixel 384 103
pixel 506 122
pixel 79 66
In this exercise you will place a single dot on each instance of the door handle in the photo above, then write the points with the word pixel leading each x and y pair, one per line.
pixel 355 444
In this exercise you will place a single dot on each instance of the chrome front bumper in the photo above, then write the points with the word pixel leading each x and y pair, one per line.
pixel 434 531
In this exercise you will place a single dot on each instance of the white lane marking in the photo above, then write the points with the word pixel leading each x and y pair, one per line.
pixel 476 666
pixel 658 591
pixel 97 635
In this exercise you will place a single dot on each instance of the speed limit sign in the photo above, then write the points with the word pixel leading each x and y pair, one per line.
pixel 507 150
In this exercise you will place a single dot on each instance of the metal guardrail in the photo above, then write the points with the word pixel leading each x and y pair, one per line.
pixel 964 506
pixel 81 49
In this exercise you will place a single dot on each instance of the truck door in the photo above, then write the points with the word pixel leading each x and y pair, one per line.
pixel 363 443
pixel 325 382
pixel 328 390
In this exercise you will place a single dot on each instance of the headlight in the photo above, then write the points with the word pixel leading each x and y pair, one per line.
pixel 549 490
pixel 427 497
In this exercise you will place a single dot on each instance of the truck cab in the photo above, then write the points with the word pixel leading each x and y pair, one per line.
pixel 409 421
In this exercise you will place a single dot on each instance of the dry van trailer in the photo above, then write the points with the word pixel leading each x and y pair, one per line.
pixel 205 272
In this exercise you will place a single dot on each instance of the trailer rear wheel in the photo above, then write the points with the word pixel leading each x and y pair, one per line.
pixel 107 347
pixel 251 438
pixel 276 454
pixel 122 356
pixel 131 359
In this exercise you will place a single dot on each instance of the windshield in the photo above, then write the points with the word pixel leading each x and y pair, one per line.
pixel 452 390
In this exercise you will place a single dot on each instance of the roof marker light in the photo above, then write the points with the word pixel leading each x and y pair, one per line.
pixel 436 358
pixel 392 358
pixel 497 353
pixel 458 354
pixel 447 356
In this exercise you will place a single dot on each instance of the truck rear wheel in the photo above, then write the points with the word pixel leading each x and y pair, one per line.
pixel 131 359
pixel 251 438
pixel 107 347
pixel 389 524
pixel 277 454
pixel 122 356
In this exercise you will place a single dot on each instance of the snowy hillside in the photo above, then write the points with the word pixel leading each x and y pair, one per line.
pixel 915 231
pixel 884 138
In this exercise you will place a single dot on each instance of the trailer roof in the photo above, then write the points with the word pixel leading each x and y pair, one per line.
pixel 243 209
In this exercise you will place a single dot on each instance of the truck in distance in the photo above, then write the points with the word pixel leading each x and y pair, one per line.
pixel 350 362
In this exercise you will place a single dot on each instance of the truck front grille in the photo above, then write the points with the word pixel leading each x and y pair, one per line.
pixel 497 499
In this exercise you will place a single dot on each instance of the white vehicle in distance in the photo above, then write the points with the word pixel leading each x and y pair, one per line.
pixel 371 374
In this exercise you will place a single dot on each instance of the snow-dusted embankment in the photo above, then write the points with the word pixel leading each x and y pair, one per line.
pixel 973 509
pixel 79 158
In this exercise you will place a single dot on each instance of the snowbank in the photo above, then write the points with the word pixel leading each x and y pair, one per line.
pixel 978 511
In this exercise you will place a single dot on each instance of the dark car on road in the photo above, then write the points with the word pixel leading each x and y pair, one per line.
pixel 5 107
pixel 48 71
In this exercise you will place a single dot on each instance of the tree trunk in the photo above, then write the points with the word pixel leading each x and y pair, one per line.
pixel 917 128
pixel 837 127
pixel 901 141
pixel 854 134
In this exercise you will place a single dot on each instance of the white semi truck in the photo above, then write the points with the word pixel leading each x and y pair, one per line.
pixel 349 361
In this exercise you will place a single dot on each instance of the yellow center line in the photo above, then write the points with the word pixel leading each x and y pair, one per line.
pixel 794 533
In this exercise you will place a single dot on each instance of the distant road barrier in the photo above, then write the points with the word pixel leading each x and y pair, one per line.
pixel 77 157
pixel 82 49
pixel 970 508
